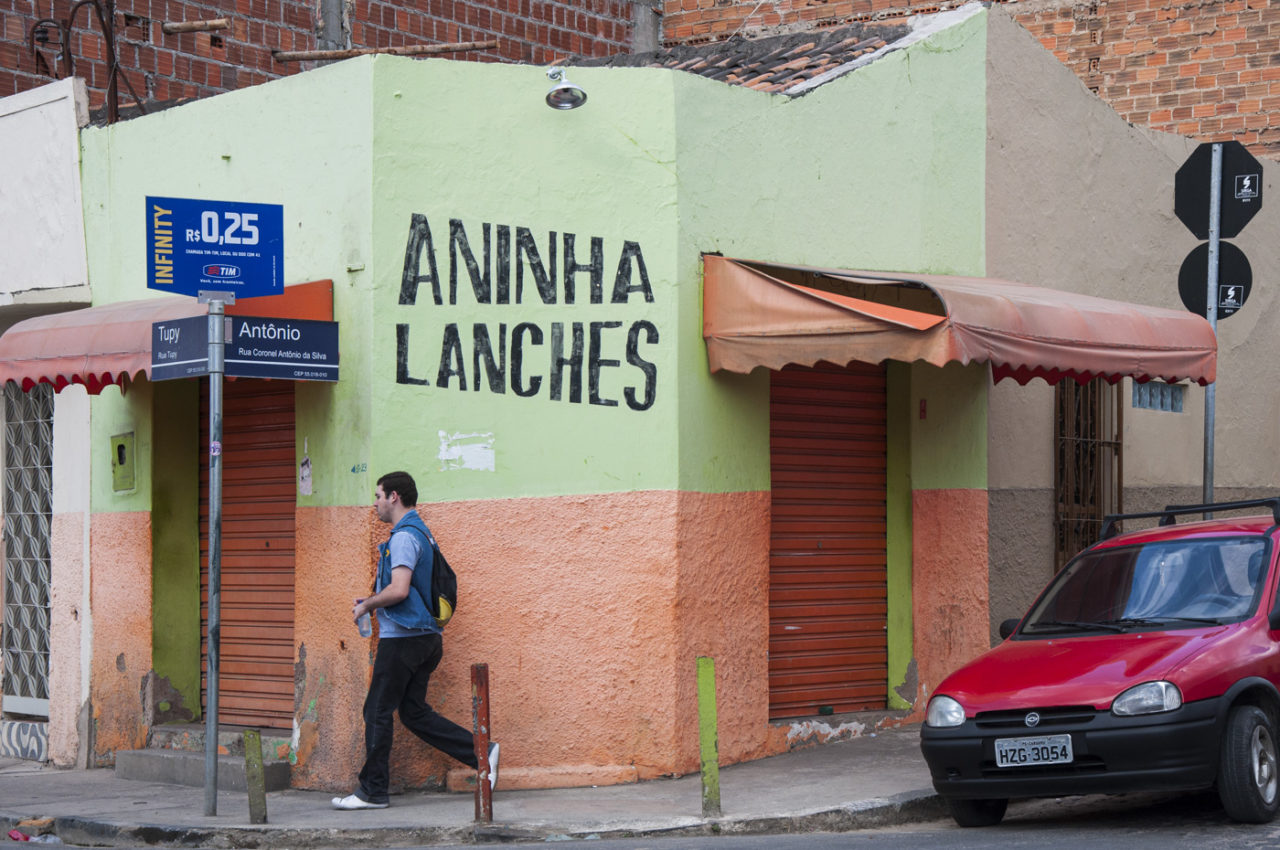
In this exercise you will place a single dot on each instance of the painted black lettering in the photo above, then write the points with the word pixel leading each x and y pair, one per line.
pixel 650 370
pixel 496 372
pixel 458 244
pixel 517 359
pixel 595 268
pixel 622 285
pixel 402 358
pixel 559 360
pixel 595 362
pixel 411 277
pixel 527 253
pixel 503 282
pixel 451 359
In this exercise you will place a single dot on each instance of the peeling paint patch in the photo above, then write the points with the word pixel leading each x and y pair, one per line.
pixel 908 690
pixel 291 750
pixel 162 702
pixel 466 451
pixel 817 732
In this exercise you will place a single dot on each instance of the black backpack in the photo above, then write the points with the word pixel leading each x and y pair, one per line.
pixel 442 597
pixel 444 586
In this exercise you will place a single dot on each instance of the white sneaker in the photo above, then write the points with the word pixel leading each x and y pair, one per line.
pixel 494 751
pixel 352 803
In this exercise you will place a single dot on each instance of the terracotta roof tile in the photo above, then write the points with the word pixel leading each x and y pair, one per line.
pixel 774 63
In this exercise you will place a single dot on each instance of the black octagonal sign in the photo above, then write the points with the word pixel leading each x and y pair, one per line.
pixel 1241 189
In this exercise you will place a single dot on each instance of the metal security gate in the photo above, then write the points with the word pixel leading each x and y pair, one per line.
pixel 259 495
pixel 827 564
pixel 28 486
pixel 1088 463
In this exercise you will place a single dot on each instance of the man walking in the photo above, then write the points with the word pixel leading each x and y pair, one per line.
pixel 409 649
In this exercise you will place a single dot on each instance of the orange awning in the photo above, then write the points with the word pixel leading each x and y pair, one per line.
pixel 758 314
pixel 111 344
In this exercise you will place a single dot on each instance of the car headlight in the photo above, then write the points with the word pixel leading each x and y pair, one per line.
pixel 944 711
pixel 1148 698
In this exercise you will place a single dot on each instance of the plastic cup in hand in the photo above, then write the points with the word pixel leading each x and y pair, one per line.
pixel 365 624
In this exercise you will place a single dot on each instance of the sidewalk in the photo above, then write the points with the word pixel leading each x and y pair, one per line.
pixel 873 780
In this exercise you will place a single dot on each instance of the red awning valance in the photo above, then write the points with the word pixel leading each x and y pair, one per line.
pixel 111 344
pixel 757 314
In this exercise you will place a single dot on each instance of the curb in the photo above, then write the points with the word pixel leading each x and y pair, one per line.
pixel 908 807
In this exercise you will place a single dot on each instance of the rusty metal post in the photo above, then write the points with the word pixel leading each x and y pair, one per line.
pixel 480 726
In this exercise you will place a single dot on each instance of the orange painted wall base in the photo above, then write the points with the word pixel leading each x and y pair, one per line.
pixel 949 583
pixel 590 612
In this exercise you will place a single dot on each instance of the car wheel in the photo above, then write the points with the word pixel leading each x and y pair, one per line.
pixel 1247 779
pixel 977 812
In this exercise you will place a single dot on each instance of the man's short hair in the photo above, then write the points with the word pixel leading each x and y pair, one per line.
pixel 402 483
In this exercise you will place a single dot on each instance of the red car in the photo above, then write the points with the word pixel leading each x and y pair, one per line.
pixel 1150 662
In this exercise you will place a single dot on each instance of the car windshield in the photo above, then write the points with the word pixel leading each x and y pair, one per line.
pixel 1176 584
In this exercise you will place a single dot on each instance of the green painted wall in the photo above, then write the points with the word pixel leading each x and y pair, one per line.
pixel 883 169
pixel 949 444
pixel 898 532
pixel 306 146
pixel 605 172
pixel 175 547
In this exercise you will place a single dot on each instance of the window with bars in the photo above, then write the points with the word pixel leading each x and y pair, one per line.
pixel 1088 463
pixel 28 454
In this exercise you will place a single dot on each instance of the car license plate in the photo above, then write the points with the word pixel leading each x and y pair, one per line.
pixel 1048 749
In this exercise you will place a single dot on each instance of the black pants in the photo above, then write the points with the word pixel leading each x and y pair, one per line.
pixel 400 674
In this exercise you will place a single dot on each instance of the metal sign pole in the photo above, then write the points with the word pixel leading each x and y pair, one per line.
pixel 1211 312
pixel 216 368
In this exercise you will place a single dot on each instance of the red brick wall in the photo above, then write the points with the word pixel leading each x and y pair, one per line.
pixel 163 67
pixel 1209 69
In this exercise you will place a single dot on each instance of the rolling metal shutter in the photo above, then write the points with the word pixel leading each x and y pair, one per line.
pixel 258 499
pixel 827 590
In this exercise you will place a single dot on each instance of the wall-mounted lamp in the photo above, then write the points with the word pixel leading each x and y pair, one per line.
pixel 42 38
pixel 564 94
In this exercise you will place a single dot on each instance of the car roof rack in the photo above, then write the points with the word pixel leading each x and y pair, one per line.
pixel 1169 515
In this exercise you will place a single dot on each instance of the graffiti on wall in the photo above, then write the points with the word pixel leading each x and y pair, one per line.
pixel 502 267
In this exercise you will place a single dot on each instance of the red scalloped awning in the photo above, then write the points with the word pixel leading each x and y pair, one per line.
pixel 758 314
pixel 111 344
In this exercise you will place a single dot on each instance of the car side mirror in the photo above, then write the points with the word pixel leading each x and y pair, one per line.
pixel 1274 620
pixel 1008 626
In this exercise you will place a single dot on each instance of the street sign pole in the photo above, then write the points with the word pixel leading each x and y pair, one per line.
pixel 1211 312
pixel 1233 180
pixel 213 250
pixel 216 351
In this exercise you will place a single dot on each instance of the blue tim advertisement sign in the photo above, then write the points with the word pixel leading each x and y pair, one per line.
pixel 217 246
